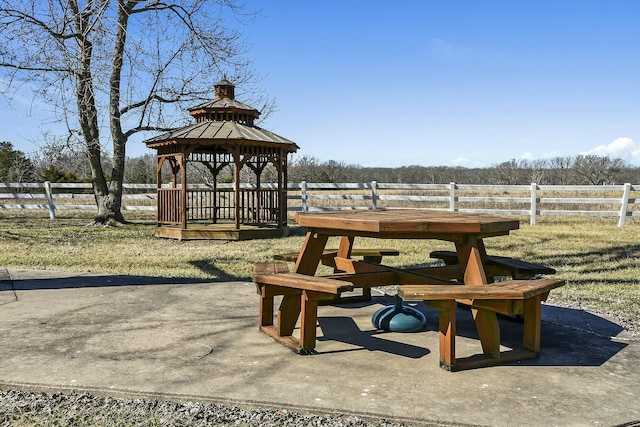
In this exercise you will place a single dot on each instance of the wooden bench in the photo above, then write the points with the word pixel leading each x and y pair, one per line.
pixel 510 297
pixel 300 295
pixel 328 256
pixel 500 265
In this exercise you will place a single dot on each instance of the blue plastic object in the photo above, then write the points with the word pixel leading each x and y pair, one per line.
pixel 399 318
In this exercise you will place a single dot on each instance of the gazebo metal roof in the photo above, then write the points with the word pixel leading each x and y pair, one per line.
pixel 224 103
pixel 221 133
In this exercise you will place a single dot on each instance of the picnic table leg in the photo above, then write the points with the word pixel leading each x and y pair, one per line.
pixel 346 244
pixel 311 253
pixel 288 314
pixel 486 321
pixel 309 320
pixel 307 263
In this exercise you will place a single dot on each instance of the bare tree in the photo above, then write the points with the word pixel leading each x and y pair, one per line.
pixel 305 168
pixel 115 68
pixel 560 170
pixel 596 170
pixel 512 172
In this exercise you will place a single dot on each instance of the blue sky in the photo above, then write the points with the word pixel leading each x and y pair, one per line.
pixel 450 83
pixel 469 83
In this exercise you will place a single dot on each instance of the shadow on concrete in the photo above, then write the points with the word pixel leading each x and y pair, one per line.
pixel 570 337
pixel 93 281
pixel 345 329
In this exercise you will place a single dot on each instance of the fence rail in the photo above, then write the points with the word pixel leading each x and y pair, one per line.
pixel 621 201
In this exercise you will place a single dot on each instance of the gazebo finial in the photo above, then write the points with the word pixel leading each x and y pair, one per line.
pixel 225 89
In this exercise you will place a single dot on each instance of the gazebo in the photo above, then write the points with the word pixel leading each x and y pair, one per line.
pixel 222 145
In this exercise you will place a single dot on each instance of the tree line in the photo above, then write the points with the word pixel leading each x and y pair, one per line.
pixel 578 170
pixel 56 165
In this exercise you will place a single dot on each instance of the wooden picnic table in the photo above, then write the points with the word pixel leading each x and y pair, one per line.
pixel 465 230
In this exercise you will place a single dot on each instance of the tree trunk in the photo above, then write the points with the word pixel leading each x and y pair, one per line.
pixel 108 197
pixel 109 207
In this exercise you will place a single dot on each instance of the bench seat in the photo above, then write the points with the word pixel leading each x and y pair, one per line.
pixel 499 265
pixel 497 297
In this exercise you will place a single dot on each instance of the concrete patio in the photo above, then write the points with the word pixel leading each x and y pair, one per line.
pixel 196 340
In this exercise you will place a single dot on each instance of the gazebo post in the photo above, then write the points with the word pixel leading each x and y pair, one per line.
pixel 236 187
pixel 283 193
pixel 160 208
pixel 183 192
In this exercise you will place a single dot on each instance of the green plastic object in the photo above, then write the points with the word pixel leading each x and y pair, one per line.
pixel 399 318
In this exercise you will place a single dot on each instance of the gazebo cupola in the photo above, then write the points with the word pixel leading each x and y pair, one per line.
pixel 224 136
pixel 225 107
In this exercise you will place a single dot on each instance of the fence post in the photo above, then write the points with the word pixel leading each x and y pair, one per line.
pixel 374 194
pixel 624 204
pixel 303 196
pixel 534 204
pixel 49 194
pixel 452 197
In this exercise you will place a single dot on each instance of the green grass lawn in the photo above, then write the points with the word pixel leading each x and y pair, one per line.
pixel 599 260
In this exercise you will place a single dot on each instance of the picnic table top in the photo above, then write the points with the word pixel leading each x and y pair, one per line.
pixel 410 222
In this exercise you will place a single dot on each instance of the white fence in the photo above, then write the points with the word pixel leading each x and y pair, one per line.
pixel 523 200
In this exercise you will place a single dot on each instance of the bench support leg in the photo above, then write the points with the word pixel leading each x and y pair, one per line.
pixel 296 304
pixel 532 323
pixel 446 332
pixel 309 316
pixel 266 311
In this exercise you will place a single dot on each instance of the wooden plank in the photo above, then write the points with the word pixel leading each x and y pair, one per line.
pixel 509 290
pixel 400 276
pixel 304 282
pixel 473 268
pixel 482 361
pixel 446 332
pixel 287 340
pixel 266 310
pixel 448 272
pixel 270 268
pixel 367 279
pixel 488 331
pixel 309 319
pixel 515 264
pixel 369 254
pixel 532 323
pixel 410 223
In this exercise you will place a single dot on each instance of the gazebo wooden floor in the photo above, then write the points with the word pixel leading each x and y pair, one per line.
pixel 221 232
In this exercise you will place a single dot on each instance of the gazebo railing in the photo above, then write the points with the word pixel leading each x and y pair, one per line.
pixel 256 205
pixel 259 206
pixel 169 206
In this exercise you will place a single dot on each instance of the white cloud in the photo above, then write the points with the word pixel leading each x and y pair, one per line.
pixel 528 156
pixel 460 161
pixel 623 148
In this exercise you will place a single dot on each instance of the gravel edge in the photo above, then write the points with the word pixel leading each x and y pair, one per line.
pixel 28 408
